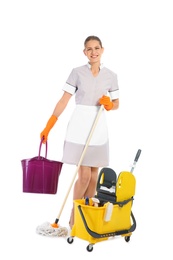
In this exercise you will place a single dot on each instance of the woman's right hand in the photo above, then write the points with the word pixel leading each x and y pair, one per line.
pixel 44 134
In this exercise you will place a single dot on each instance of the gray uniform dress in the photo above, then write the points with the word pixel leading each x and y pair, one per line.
pixel 88 90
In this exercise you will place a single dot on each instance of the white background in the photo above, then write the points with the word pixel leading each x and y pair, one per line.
pixel 40 42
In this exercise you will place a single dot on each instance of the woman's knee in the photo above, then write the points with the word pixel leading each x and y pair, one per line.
pixel 84 174
pixel 94 173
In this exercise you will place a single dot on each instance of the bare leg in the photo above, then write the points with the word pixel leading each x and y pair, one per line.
pixel 91 189
pixel 81 186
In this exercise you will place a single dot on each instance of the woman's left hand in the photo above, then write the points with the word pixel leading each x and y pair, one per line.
pixel 106 102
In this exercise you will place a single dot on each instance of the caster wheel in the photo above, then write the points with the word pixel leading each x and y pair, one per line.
pixel 127 239
pixel 89 248
pixel 70 240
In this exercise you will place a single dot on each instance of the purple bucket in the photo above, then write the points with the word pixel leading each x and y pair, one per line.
pixel 41 175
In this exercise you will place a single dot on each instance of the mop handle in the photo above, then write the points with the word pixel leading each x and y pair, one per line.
pixel 81 158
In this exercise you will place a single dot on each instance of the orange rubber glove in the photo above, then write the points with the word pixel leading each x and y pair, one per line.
pixel 106 102
pixel 44 134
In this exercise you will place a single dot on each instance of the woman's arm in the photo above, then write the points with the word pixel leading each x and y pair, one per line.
pixel 115 104
pixel 62 103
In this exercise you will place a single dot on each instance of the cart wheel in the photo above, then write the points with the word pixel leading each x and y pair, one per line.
pixel 90 248
pixel 127 238
pixel 70 240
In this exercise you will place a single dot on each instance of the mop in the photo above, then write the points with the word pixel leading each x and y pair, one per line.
pixel 46 229
pixel 54 229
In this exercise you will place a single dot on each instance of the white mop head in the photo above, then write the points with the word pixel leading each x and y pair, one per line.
pixel 46 229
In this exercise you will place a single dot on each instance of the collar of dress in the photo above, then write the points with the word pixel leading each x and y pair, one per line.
pixel 101 66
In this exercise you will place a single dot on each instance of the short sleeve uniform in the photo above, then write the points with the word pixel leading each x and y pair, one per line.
pixel 88 90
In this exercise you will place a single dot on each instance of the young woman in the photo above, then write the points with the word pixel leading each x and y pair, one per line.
pixel 92 85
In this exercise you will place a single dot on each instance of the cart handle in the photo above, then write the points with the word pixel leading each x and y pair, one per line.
pixel 135 160
pixel 110 234
pixel 137 155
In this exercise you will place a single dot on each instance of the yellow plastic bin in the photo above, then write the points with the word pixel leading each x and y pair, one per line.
pixel 92 224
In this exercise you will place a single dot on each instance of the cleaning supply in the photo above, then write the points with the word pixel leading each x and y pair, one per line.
pixel 108 211
pixel 86 201
pixel 106 221
pixel 95 202
pixel 46 229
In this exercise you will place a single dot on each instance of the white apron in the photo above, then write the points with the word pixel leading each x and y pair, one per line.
pixel 81 123
pixel 78 130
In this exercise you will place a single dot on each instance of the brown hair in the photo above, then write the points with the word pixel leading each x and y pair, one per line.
pixel 92 37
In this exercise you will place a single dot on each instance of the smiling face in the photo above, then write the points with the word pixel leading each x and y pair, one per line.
pixel 93 50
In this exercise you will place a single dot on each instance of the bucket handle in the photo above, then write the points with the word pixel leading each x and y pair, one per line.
pixel 41 142
pixel 110 234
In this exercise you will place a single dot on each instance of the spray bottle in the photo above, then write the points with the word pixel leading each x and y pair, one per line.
pixel 108 211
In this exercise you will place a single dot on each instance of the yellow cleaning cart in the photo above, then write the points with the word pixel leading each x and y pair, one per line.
pixel 113 215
